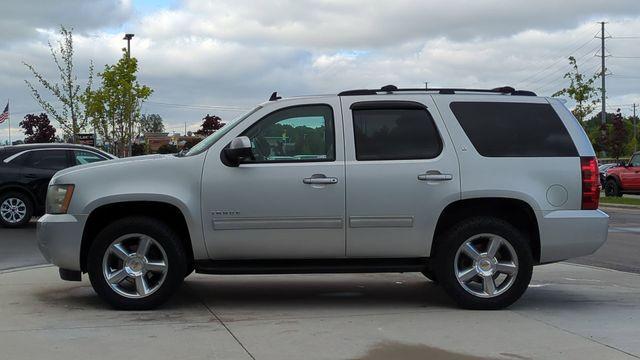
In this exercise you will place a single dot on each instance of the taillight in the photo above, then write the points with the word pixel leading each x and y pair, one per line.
pixel 590 183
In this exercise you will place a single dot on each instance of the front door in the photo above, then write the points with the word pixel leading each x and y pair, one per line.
pixel 402 170
pixel 289 201
pixel 632 173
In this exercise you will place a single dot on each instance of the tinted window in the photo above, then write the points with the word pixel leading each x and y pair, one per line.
pixel 514 129
pixel 86 157
pixel 635 161
pixel 47 159
pixel 388 133
pixel 300 133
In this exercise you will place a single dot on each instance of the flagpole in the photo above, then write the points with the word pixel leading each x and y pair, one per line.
pixel 10 143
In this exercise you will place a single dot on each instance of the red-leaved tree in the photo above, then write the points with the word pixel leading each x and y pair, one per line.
pixel 617 137
pixel 210 124
pixel 38 129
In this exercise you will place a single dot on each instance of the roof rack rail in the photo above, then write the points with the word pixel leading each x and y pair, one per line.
pixel 389 89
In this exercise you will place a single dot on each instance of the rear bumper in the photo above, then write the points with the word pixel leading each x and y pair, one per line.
pixel 59 239
pixel 566 234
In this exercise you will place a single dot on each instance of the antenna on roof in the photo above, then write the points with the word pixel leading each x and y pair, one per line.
pixel 274 96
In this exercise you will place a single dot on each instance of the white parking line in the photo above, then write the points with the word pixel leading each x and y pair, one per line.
pixel 624 229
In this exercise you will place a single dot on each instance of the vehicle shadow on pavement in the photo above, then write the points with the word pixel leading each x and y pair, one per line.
pixel 315 291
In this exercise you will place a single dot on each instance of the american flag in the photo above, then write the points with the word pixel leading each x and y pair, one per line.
pixel 5 114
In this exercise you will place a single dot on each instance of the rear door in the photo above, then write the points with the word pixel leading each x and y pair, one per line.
pixel 402 171
pixel 39 166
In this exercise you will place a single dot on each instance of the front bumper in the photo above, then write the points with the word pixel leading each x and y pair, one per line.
pixel 566 234
pixel 60 238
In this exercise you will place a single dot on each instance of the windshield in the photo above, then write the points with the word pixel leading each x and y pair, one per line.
pixel 211 139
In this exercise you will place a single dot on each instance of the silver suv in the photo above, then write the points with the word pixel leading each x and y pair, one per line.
pixel 472 188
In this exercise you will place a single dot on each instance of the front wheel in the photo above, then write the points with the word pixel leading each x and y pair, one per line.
pixel 136 263
pixel 484 263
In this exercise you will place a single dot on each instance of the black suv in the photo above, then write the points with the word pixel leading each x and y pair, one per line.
pixel 25 171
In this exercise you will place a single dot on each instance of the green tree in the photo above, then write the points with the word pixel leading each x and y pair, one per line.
pixel 70 114
pixel 114 108
pixel 150 123
pixel 582 90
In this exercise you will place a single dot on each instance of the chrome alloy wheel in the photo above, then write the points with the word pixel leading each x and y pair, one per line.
pixel 13 210
pixel 135 265
pixel 486 265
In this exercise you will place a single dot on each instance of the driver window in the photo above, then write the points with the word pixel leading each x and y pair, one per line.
pixel 295 134
pixel 635 161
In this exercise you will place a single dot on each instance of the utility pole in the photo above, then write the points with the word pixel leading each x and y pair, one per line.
pixel 603 114
pixel 635 129
pixel 128 37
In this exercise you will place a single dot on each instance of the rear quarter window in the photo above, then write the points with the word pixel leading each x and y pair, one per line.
pixel 506 129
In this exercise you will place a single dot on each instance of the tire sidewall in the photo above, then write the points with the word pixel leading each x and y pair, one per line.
pixel 164 235
pixel 611 188
pixel 28 204
pixel 448 248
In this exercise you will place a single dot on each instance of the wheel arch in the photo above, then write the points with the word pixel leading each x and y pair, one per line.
pixel 19 188
pixel 515 211
pixel 105 214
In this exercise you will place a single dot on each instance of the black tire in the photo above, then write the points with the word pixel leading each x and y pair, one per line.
pixel 448 246
pixel 26 200
pixel 612 188
pixel 165 237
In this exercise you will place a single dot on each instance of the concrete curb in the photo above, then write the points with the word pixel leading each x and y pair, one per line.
pixel 619 206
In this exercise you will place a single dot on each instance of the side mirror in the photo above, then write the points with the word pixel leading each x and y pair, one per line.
pixel 238 150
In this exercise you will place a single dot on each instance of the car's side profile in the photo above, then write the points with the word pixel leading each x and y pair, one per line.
pixel 471 188
pixel 624 179
pixel 25 172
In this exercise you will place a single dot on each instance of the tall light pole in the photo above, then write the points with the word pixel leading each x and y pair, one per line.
pixel 128 37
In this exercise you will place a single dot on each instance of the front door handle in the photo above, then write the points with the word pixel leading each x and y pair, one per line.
pixel 320 179
pixel 435 175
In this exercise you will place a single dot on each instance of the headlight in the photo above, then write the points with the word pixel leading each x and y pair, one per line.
pixel 58 198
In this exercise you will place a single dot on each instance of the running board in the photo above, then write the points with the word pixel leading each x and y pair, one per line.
pixel 311 266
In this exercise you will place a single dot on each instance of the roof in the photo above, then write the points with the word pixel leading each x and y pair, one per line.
pixel 12 149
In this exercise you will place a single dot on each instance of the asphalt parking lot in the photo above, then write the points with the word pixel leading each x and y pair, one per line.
pixel 570 311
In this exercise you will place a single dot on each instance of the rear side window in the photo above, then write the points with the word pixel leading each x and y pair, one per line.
pixel 390 132
pixel 47 159
pixel 499 129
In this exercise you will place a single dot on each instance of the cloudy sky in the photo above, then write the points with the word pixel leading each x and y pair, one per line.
pixel 222 56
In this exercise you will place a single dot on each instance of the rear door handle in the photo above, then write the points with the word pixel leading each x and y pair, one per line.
pixel 434 175
pixel 320 179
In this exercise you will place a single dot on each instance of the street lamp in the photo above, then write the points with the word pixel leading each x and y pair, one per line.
pixel 128 37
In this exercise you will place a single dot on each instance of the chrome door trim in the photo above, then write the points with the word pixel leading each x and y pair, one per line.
pixel 380 221
pixel 277 223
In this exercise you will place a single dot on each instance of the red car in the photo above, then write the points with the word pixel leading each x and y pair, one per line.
pixel 624 179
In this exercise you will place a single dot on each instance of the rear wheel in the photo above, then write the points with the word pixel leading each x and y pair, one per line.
pixel 611 188
pixel 484 263
pixel 16 209
pixel 136 263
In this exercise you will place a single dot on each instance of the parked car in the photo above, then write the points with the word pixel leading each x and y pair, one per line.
pixel 602 170
pixel 624 179
pixel 470 187
pixel 25 171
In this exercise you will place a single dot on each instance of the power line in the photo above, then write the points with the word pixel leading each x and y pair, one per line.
pixel 199 107
pixel 529 79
